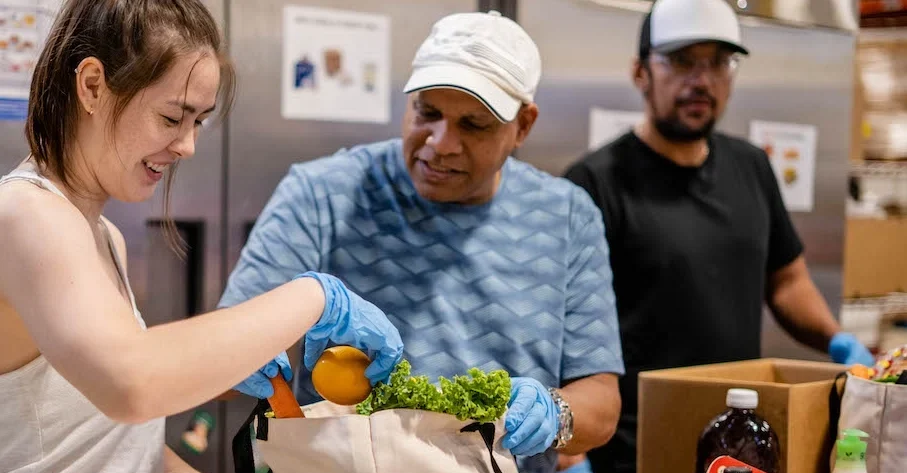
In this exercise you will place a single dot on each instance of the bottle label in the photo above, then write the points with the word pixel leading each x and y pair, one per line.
pixel 724 462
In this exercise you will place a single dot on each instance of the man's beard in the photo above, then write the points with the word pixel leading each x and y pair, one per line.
pixel 673 129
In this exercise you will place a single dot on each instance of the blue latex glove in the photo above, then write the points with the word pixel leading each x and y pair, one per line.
pixel 531 422
pixel 351 320
pixel 846 349
pixel 258 385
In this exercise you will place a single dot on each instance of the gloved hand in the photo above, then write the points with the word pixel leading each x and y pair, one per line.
pixel 258 385
pixel 846 349
pixel 351 320
pixel 532 418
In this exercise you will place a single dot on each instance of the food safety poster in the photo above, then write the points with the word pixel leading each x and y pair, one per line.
pixel 336 65
pixel 24 25
pixel 791 149
pixel 606 125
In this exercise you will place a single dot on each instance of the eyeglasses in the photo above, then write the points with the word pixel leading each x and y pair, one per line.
pixel 685 65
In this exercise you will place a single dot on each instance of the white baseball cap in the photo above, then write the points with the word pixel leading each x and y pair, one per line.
pixel 675 24
pixel 485 55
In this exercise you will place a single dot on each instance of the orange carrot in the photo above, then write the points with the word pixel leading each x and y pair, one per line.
pixel 283 402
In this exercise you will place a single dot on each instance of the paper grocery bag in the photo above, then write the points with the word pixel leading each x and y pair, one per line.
pixel 879 409
pixel 334 439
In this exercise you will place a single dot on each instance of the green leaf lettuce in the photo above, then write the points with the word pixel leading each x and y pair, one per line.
pixel 480 396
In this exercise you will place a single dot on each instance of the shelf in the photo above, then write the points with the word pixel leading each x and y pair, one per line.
pixel 891 169
pixel 883 14
pixel 882 7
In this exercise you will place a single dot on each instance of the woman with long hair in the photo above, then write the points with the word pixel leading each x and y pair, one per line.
pixel 117 99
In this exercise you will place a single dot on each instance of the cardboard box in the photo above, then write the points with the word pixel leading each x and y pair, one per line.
pixel 875 257
pixel 675 405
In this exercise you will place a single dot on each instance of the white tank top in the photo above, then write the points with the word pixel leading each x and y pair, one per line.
pixel 47 425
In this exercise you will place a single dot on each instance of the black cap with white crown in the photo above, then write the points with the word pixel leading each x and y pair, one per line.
pixel 675 24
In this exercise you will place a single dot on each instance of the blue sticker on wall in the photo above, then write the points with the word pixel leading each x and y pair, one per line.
pixel 13 109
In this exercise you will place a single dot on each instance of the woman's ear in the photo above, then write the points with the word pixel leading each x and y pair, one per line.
pixel 91 86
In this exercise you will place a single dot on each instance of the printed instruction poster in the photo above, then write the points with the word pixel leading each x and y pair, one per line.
pixel 336 65
pixel 24 25
pixel 606 125
pixel 791 148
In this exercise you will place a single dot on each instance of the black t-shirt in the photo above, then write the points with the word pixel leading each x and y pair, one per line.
pixel 691 248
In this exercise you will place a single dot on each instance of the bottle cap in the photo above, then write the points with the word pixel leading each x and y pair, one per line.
pixel 204 417
pixel 851 447
pixel 742 398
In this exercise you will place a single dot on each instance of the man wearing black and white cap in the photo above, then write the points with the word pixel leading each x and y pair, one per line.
pixel 478 259
pixel 698 231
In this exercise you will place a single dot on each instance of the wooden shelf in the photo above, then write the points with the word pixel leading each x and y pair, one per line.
pixel 883 13
pixel 882 7
pixel 890 169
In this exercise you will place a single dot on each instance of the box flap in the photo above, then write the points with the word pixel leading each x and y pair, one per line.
pixel 794 372
pixel 778 371
pixel 715 370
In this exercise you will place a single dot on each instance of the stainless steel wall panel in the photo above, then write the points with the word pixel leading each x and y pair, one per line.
pixel 13 146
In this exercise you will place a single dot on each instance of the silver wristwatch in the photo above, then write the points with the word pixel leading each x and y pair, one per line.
pixel 564 420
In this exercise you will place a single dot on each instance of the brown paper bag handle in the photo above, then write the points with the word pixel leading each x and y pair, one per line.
pixel 283 402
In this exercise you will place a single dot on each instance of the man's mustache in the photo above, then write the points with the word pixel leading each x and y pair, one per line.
pixel 696 97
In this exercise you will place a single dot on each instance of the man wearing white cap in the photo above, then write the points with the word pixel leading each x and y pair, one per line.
pixel 479 260
pixel 699 234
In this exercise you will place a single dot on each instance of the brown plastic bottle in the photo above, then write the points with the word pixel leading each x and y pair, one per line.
pixel 741 434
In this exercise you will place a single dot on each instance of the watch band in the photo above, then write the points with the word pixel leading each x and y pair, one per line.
pixel 565 419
